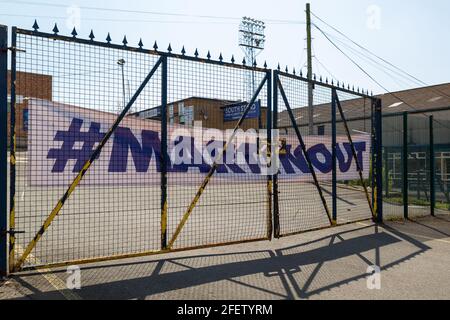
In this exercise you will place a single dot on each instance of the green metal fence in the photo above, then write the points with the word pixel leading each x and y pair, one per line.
pixel 416 163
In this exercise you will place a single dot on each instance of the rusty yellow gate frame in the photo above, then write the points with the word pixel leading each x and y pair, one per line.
pixel 162 64
pixel 57 209
pixel 279 86
pixel 213 169
pixel 283 192
pixel 168 62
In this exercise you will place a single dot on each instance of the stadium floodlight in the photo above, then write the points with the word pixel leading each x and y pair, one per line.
pixel 251 40
pixel 251 36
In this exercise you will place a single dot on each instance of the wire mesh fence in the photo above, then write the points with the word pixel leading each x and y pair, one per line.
pixel 415 161
pixel 235 204
pixel 72 94
pixel 336 149
pixel 134 196
pixel 441 151
pixel 393 166
pixel 120 152
pixel 418 165
pixel 352 204
pixel 300 204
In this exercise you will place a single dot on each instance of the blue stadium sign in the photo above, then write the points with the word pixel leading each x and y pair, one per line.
pixel 235 111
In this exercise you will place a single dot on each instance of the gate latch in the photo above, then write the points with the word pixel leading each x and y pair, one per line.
pixel 15 49
pixel 12 232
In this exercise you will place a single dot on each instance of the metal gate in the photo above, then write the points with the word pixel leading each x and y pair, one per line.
pixel 328 176
pixel 118 151
pixel 88 106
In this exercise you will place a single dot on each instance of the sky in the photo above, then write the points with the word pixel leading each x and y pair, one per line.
pixel 412 35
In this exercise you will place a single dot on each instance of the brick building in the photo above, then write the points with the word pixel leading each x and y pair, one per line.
pixel 211 112
pixel 28 85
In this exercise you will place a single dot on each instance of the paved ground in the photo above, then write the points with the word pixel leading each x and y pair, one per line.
pixel 100 220
pixel 329 264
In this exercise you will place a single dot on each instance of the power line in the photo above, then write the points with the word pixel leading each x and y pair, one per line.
pixel 56 5
pixel 147 12
pixel 394 95
pixel 131 20
pixel 380 58
pixel 118 20
pixel 353 61
pixel 331 74
pixel 320 63
pixel 301 64
pixel 360 54
pixel 367 50
pixel 323 66
pixel 375 64
pixel 373 79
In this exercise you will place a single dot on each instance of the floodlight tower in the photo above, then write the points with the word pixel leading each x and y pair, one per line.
pixel 251 40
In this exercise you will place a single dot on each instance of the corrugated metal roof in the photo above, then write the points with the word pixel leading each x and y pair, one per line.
pixel 419 99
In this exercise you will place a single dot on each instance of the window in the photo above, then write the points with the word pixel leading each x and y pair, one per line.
pixel 321 130
pixel 171 115
pixel 394 167
pixel 189 115
pixel 443 166
pixel 25 119
pixel 445 170
pixel 181 112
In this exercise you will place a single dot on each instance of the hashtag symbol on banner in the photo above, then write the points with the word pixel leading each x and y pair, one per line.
pixel 69 138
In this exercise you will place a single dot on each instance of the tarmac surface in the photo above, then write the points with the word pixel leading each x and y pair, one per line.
pixel 110 220
pixel 414 258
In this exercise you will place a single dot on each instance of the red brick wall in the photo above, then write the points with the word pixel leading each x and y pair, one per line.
pixel 28 85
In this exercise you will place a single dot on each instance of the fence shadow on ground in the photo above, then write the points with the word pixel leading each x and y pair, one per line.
pixel 291 272
pixel 435 228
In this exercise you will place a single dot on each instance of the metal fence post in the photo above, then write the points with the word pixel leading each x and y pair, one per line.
pixel 269 151
pixel 378 163
pixel 164 154
pixel 276 212
pixel 333 154
pixel 405 165
pixel 432 168
pixel 386 172
pixel 372 171
pixel 12 156
pixel 3 150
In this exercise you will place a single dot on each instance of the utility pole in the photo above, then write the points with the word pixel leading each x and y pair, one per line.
pixel 310 84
